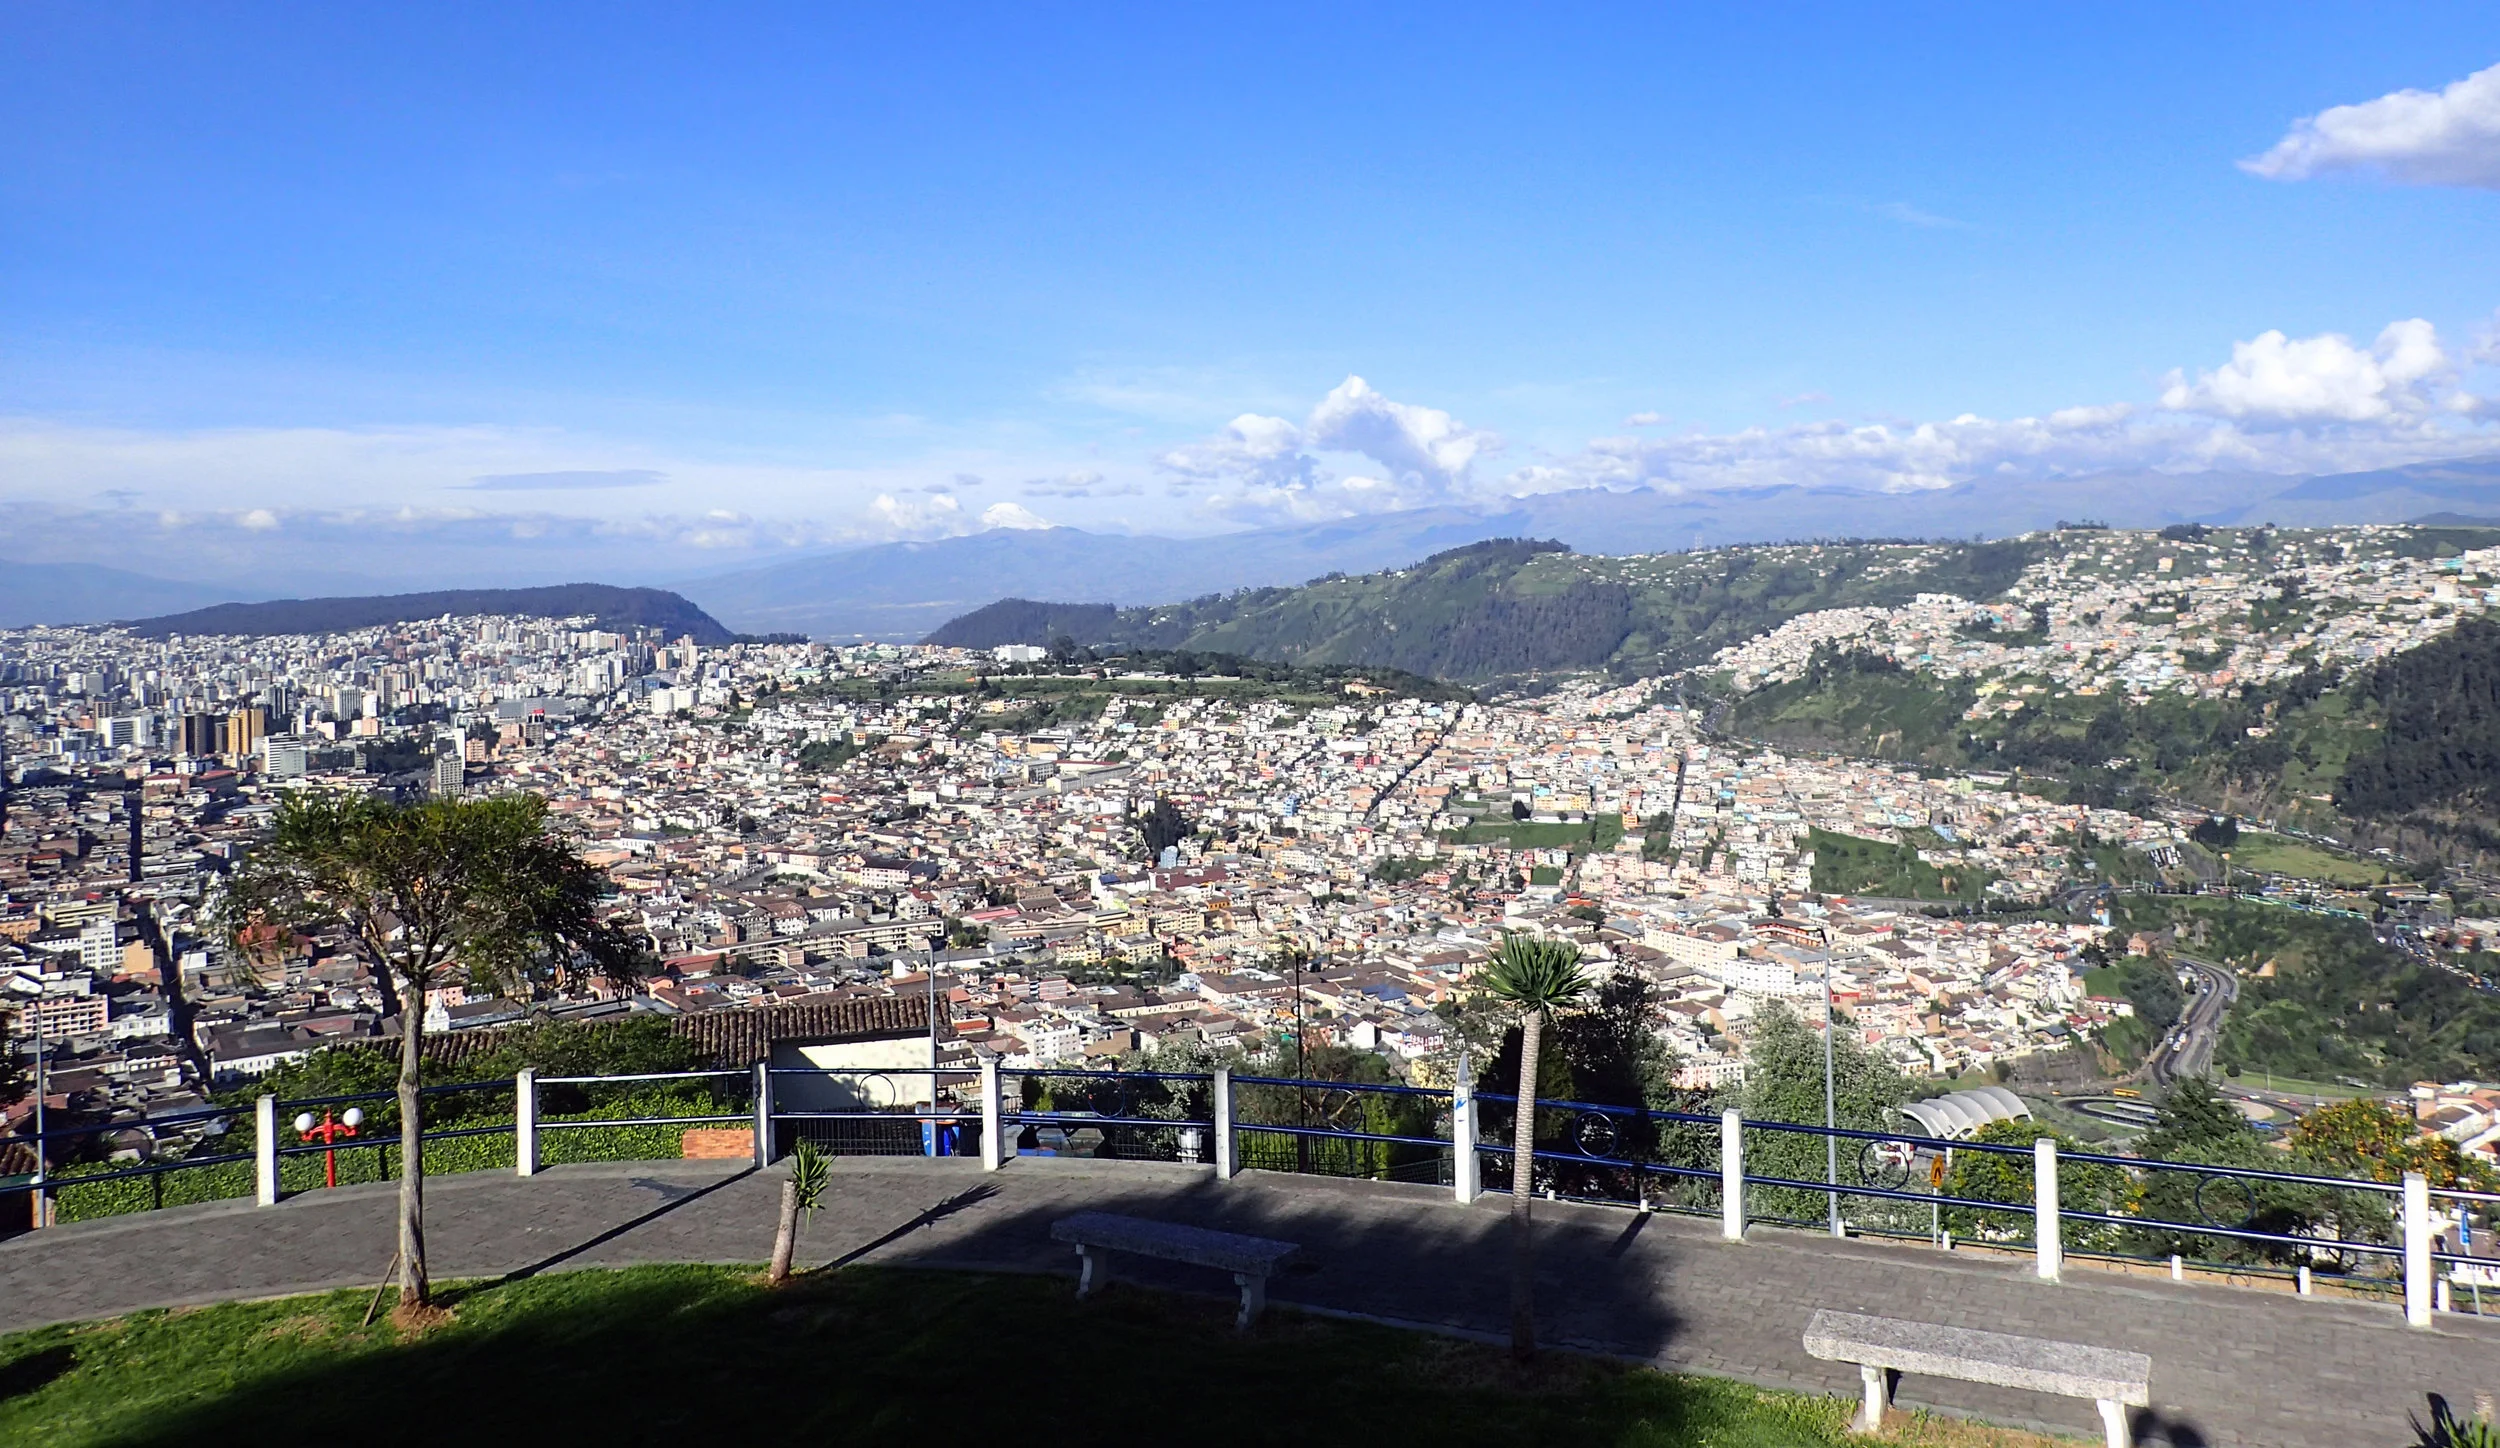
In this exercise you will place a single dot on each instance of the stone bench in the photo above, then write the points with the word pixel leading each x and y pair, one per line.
pixel 1881 1346
pixel 1249 1259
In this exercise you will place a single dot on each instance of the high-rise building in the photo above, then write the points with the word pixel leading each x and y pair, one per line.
pixel 126 731
pixel 448 773
pixel 245 728
pixel 98 950
pixel 203 735
pixel 283 757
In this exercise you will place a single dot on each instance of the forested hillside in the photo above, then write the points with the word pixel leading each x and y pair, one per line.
pixel 2436 758
pixel 2407 749
pixel 1023 621
pixel 1515 607
pixel 2108 751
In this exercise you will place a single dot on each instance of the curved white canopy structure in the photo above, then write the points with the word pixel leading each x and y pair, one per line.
pixel 1958 1115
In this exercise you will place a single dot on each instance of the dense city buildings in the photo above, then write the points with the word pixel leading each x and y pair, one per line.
pixel 1085 861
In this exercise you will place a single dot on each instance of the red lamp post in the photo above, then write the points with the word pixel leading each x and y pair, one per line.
pixel 328 1134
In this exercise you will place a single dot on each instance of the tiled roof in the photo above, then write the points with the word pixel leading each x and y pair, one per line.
pixel 746 1034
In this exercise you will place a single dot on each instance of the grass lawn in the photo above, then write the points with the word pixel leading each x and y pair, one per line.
pixel 1600 833
pixel 1853 865
pixel 2257 850
pixel 693 1355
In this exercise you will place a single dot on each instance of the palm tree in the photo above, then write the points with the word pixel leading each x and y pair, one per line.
pixel 425 894
pixel 1534 974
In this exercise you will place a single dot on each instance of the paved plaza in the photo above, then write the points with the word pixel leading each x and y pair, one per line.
pixel 2231 1366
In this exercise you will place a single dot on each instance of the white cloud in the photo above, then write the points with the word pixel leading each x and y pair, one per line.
pixel 1417 444
pixel 926 516
pixel 1263 450
pixel 2275 380
pixel 259 520
pixel 1909 215
pixel 1644 419
pixel 2422 138
pixel 1267 469
pixel 2486 348
pixel 1084 483
pixel 1879 456
pixel 2280 404
pixel 1012 515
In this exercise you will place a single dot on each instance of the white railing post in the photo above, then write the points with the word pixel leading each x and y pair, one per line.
pixel 525 1122
pixel 1463 1173
pixel 1732 1175
pixel 993 1118
pixel 2418 1266
pixel 2046 1229
pixel 1226 1162
pixel 763 1114
pixel 265 1150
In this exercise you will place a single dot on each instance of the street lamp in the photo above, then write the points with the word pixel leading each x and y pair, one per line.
pixel 20 985
pixel 328 1134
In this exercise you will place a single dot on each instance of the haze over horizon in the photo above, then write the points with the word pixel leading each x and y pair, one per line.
pixel 286 289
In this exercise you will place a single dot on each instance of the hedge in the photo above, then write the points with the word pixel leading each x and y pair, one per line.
pixel 376 1158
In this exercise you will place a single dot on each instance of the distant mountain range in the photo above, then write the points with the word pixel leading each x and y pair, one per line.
pixel 903 590
pixel 32 593
pixel 615 608
pixel 907 590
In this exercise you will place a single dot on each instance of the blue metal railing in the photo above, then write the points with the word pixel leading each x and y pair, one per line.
pixel 1588 1151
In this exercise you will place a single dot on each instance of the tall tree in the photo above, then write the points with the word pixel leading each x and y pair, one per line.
pixel 1533 975
pixel 1784 1082
pixel 476 891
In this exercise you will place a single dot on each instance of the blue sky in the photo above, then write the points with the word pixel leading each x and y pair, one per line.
pixel 740 277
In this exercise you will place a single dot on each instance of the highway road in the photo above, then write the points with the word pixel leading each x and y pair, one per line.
pixel 2189 1049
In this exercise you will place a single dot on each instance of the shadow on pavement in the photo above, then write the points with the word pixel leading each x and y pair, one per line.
pixel 1420 1261
pixel 2156 1429
pixel 676 1195
pixel 956 1203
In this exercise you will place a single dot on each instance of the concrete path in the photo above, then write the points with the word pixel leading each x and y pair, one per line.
pixel 2231 1366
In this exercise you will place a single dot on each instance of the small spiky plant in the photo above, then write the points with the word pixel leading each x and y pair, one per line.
pixel 801 1192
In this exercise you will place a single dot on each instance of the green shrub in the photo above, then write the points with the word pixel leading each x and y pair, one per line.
pixel 373 1156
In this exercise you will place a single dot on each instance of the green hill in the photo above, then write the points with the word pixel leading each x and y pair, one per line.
pixel 1023 621
pixel 1513 607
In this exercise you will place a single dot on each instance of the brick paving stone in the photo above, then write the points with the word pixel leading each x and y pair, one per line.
pixel 2233 1367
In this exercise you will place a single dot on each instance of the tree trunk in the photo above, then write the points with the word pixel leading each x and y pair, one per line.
pixel 413 1287
pixel 1522 1181
pixel 786 1235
